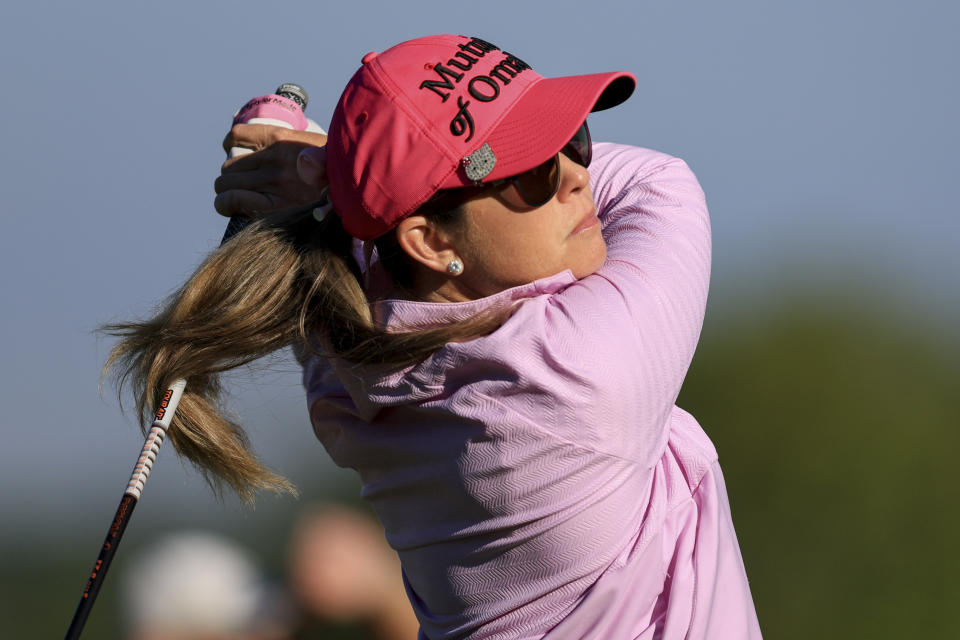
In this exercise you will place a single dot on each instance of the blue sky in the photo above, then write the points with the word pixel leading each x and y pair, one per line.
pixel 824 134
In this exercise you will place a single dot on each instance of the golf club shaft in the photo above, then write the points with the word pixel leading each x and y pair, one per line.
pixel 141 471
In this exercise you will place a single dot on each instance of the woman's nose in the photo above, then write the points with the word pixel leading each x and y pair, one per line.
pixel 573 177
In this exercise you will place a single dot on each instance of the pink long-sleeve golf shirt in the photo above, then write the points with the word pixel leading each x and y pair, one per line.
pixel 540 482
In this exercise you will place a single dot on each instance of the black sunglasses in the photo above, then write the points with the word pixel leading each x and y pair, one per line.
pixel 537 186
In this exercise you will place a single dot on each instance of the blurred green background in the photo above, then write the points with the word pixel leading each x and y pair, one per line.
pixel 837 423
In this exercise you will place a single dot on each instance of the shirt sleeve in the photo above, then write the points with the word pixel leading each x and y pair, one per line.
pixel 630 329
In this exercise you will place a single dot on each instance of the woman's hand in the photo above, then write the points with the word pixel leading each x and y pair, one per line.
pixel 286 170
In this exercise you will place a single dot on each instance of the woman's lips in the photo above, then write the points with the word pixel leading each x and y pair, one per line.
pixel 588 222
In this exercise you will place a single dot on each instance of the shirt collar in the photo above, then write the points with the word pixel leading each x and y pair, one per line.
pixel 412 315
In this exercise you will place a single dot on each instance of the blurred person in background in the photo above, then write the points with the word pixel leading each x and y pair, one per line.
pixel 343 575
pixel 197 585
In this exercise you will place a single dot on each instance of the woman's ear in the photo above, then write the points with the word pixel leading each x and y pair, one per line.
pixel 426 243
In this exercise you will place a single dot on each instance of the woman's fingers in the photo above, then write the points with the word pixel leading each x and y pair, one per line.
pixel 286 169
pixel 261 136
pixel 312 165
pixel 251 136
pixel 244 202
pixel 238 180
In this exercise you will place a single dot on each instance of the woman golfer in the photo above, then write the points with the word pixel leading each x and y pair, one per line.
pixel 494 318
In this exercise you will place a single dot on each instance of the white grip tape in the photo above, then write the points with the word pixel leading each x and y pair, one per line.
pixel 151 446
pixel 148 455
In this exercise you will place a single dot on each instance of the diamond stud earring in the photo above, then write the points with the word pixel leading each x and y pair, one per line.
pixel 455 267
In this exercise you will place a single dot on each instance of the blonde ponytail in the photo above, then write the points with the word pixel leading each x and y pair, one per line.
pixel 285 279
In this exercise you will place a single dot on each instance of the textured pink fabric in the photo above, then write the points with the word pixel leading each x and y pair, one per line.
pixel 540 482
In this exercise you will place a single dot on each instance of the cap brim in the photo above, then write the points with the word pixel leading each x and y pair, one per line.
pixel 545 118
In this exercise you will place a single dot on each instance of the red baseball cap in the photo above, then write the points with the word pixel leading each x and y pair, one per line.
pixel 443 112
